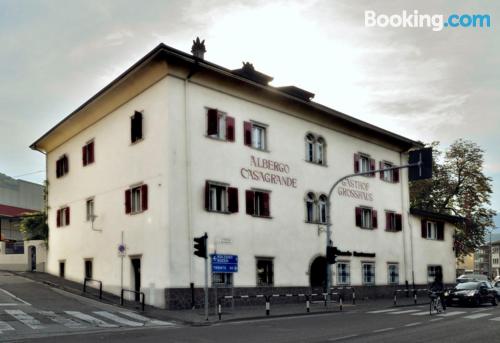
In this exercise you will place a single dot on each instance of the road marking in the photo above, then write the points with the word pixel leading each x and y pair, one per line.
pixel 436 319
pixel 383 311
pixel 478 315
pixel 26 319
pixel 91 320
pixel 405 311
pixel 5 327
pixel 413 324
pixel 341 338
pixel 67 322
pixel 14 297
pixel 421 313
pixel 117 319
pixel 382 330
pixel 497 319
pixel 148 321
pixel 449 314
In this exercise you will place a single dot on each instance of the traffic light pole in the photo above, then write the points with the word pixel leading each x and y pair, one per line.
pixel 329 241
pixel 206 288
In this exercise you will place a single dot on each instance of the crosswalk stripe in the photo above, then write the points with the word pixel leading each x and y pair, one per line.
pixel 26 319
pixel 117 319
pixel 67 322
pixel 421 313
pixel 403 312
pixel 5 327
pixel 497 319
pixel 478 315
pixel 91 320
pixel 383 311
pixel 449 314
pixel 148 321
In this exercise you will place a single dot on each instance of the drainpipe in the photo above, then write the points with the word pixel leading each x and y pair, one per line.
pixel 404 211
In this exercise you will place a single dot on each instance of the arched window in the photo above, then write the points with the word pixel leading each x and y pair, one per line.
pixel 320 150
pixel 322 209
pixel 310 140
pixel 310 200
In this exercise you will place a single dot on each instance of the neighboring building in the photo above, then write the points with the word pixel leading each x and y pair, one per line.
pixel 18 197
pixel 177 146
pixel 486 263
pixel 465 265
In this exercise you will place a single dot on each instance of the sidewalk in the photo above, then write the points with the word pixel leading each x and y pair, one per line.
pixel 231 311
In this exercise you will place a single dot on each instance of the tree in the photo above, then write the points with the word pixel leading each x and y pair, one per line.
pixel 458 187
pixel 34 226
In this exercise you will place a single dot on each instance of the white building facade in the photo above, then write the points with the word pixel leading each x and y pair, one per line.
pixel 178 146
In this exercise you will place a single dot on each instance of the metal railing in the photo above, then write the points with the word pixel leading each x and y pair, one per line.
pixel 86 280
pixel 142 297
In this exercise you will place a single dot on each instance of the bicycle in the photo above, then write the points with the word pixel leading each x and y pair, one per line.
pixel 435 304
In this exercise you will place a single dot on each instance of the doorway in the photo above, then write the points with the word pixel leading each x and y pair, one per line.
pixel 317 274
pixel 136 274
pixel 32 252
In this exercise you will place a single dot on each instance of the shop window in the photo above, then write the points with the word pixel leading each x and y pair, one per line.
pixel 393 273
pixel 343 273
pixel 265 272
pixel 368 269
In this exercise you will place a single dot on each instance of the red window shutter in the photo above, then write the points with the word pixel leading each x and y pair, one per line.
pixel 250 202
pixel 128 205
pixel 66 164
pixel 67 215
pixel 358 216
pixel 424 228
pixel 266 208
pixel 381 166
pixel 399 222
pixel 58 218
pixel 91 152
pixel 388 221
pixel 230 129
pixel 372 166
pixel 247 133
pixel 395 175
pixel 212 125
pixel 207 195
pixel 58 168
pixel 440 231
pixel 374 219
pixel 232 194
pixel 144 197
pixel 356 163
pixel 84 155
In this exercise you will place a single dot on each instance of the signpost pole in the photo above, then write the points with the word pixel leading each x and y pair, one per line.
pixel 206 288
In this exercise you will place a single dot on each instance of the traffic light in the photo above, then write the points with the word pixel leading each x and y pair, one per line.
pixel 200 246
pixel 331 254
pixel 424 170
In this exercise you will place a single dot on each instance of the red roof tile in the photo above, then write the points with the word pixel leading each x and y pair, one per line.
pixel 12 211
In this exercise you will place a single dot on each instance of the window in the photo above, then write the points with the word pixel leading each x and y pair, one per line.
pixel 88 153
pixel 220 125
pixel 63 216
pixel 366 218
pixel 219 197
pixel 136 127
pixel 90 210
pixel 315 149
pixel 433 230
pixel 322 208
pixel 343 273
pixel 368 269
pixel 255 135
pixel 257 203
pixel 310 203
pixel 222 280
pixel 393 222
pixel 388 175
pixel 136 199
pixel 88 269
pixel 265 273
pixel 62 166
pixel 62 268
pixel 363 163
pixel 393 273
pixel 432 271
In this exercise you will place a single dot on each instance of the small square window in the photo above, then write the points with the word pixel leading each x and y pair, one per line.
pixel 265 272
pixel 432 271
pixel 88 269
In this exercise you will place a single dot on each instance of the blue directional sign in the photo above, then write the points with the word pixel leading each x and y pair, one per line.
pixel 224 263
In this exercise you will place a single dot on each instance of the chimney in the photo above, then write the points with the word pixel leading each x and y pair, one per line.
pixel 198 48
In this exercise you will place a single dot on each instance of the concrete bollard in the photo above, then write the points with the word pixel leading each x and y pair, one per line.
pixel 308 309
pixel 415 298
pixel 395 298
pixel 268 307
pixel 219 310
pixel 340 303
pixel 353 297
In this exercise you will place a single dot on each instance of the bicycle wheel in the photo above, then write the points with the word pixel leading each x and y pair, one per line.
pixel 439 305
pixel 432 306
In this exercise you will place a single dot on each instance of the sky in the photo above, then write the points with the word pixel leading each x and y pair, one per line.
pixel 423 84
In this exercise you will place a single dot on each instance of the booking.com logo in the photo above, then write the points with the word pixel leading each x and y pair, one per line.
pixel 435 21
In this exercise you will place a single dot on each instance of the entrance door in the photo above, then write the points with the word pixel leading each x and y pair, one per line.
pixel 317 274
pixel 33 258
pixel 136 266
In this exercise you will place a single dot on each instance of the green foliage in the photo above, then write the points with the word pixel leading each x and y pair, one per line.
pixel 458 187
pixel 34 226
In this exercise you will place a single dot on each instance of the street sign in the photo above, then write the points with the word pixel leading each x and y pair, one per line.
pixel 424 170
pixel 122 249
pixel 224 263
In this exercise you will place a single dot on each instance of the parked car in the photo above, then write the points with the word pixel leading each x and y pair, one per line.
pixel 472 293
pixel 496 287
pixel 471 277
